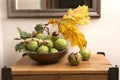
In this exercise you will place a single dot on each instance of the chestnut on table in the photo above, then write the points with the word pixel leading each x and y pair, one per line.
pixel 97 68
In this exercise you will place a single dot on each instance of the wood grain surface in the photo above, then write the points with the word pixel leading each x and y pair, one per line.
pixel 97 64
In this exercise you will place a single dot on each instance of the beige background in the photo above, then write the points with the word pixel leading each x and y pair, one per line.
pixel 31 4
pixel 102 34
pixel 28 4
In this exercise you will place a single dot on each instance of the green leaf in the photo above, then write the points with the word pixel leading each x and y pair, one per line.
pixel 20 47
pixel 39 28
pixel 23 34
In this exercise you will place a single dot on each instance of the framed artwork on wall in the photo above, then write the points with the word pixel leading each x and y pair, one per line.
pixel 53 8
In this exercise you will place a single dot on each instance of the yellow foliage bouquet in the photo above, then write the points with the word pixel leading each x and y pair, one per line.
pixel 67 25
pixel 36 42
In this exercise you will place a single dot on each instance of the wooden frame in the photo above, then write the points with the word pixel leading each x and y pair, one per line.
pixel 12 12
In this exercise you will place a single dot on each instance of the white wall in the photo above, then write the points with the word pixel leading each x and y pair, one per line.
pixel 1 46
pixel 102 34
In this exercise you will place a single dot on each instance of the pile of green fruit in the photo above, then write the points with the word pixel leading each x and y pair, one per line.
pixel 75 58
pixel 37 42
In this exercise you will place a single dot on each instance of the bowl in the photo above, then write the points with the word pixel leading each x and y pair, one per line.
pixel 48 57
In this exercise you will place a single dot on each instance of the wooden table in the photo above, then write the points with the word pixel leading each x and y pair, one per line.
pixel 97 68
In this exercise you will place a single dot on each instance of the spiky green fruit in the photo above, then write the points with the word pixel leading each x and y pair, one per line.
pixel 86 53
pixel 49 43
pixel 32 45
pixel 74 58
pixel 53 50
pixel 40 36
pixel 60 44
pixel 43 49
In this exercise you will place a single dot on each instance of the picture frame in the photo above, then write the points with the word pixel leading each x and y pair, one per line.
pixel 12 12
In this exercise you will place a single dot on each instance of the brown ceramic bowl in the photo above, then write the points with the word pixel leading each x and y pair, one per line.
pixel 47 58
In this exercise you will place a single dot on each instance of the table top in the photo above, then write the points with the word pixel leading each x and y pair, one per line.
pixel 97 64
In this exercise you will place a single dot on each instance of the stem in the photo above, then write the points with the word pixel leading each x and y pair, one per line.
pixel 46 28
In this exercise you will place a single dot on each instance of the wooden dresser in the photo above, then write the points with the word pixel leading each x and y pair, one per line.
pixel 97 68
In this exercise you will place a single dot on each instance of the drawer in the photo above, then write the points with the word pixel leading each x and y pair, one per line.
pixel 36 77
pixel 84 77
pixel 61 77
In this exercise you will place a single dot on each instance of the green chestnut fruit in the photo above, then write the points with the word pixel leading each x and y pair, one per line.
pixel 74 58
pixel 49 43
pixel 32 45
pixel 60 44
pixel 43 49
pixel 53 50
pixel 86 53
pixel 40 36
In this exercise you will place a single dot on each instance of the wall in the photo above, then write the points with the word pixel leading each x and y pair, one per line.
pixel 102 34
pixel 1 46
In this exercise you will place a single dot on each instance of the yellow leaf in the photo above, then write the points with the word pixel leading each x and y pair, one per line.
pixel 68 25
pixel 54 22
